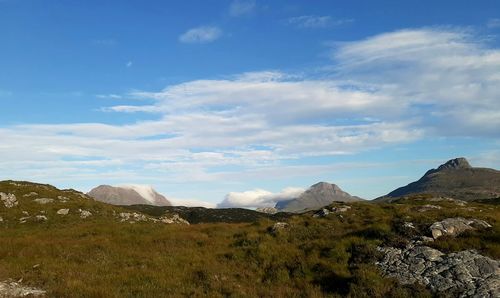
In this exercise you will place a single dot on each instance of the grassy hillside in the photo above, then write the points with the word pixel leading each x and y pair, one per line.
pixel 332 256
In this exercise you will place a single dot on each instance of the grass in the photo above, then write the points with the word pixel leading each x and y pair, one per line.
pixel 315 257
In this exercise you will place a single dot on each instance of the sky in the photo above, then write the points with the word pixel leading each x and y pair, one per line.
pixel 243 103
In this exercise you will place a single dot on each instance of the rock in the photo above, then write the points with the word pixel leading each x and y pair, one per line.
pixel 43 201
pixel 1 219
pixel 84 213
pixel 267 210
pixel 132 217
pixel 9 200
pixel 409 225
pixel 321 213
pixel 63 199
pixel 41 218
pixel 341 208
pixel 279 226
pixel 31 194
pixel 456 226
pixel 427 207
pixel 63 211
pixel 462 274
pixel 174 219
pixel 25 213
pixel 24 219
pixel 13 289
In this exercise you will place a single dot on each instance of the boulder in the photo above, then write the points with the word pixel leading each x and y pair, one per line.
pixel 14 289
pixel 427 207
pixel 9 200
pixel 456 226
pixel 278 227
pixel 43 201
pixel 41 218
pixel 461 274
pixel 321 213
pixel 63 211
pixel 84 213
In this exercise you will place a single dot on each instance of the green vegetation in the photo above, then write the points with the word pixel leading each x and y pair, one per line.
pixel 331 256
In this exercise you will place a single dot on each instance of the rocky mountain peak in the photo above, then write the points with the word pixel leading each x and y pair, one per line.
pixel 456 163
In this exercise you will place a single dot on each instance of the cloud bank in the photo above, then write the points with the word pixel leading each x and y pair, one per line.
pixel 258 198
pixel 392 88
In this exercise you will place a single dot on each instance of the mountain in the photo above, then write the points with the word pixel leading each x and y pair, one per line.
pixel 128 195
pixel 457 179
pixel 319 195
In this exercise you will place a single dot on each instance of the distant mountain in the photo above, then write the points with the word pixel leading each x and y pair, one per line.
pixel 457 179
pixel 319 195
pixel 128 195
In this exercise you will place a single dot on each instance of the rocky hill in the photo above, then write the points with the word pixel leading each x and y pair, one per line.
pixel 319 195
pixel 456 179
pixel 128 195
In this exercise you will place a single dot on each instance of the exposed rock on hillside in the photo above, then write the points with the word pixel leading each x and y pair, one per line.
pixel 455 178
pixel 128 195
pixel 9 200
pixel 317 196
pixel 462 274
pixel 10 289
pixel 456 226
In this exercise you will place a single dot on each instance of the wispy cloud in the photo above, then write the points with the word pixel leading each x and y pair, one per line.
pixel 493 23
pixel 314 21
pixel 203 34
pixel 392 88
pixel 241 7
pixel 110 96
pixel 129 64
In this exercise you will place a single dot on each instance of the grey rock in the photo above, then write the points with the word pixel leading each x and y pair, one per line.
pixel 43 201
pixel 14 289
pixel 456 226
pixel 278 227
pixel 427 207
pixel 8 200
pixel 466 273
pixel 63 211
pixel 174 219
pixel 321 213
pixel 31 194
pixel 84 213
pixel 132 217
pixel 41 218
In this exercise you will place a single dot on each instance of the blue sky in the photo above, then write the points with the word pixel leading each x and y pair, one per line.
pixel 246 102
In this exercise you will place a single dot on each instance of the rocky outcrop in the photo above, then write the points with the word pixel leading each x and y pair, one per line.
pixel 11 288
pixel 8 200
pixel 456 226
pixel 173 219
pixel 456 179
pixel 461 274
pixel 317 196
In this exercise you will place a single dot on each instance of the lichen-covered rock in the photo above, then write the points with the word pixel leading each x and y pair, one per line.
pixel 14 289
pixel 132 217
pixel 63 211
pixel 8 200
pixel 43 201
pixel 463 274
pixel 456 226
pixel 84 213
pixel 63 199
pixel 174 219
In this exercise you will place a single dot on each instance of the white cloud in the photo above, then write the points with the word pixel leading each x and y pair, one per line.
pixel 110 96
pixel 203 34
pixel 493 23
pixel 313 21
pixel 191 203
pixel 258 198
pixel 241 7
pixel 129 64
